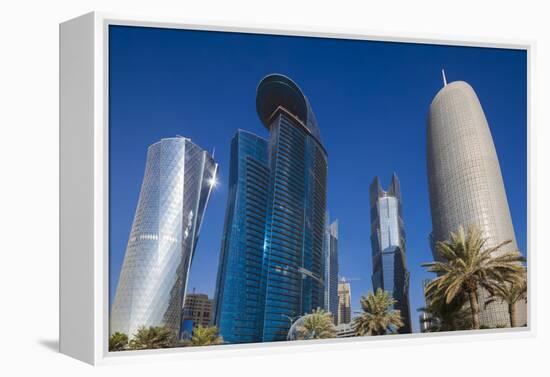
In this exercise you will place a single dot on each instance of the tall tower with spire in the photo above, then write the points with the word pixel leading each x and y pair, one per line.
pixel 465 182
pixel 331 267
pixel 388 246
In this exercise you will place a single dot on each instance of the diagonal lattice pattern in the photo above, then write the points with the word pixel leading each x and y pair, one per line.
pixel 173 197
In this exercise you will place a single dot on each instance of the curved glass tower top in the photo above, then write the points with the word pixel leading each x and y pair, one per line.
pixel 276 90
pixel 272 258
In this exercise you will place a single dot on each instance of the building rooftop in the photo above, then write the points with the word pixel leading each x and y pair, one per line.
pixel 276 90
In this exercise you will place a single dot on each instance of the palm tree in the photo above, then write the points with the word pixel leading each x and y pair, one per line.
pixel 153 337
pixel 118 342
pixel 378 318
pixel 206 336
pixel 316 325
pixel 511 294
pixel 447 317
pixel 467 265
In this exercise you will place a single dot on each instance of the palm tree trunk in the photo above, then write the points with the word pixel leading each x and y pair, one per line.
pixel 474 307
pixel 512 312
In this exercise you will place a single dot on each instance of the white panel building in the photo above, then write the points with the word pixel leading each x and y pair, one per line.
pixel 465 181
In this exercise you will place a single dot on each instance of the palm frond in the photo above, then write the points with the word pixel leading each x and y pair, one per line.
pixel 466 264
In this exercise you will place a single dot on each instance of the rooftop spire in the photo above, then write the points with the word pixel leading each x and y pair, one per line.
pixel 444 78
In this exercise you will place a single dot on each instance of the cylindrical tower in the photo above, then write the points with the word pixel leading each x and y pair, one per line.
pixel 176 186
pixel 465 181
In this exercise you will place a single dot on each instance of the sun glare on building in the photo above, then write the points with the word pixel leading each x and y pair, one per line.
pixel 213 182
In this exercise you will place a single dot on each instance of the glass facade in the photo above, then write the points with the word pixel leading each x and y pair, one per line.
pixel 271 263
pixel 331 268
pixel 388 246
pixel 178 179
pixel 240 284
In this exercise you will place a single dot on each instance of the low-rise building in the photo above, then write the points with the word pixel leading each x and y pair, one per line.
pixel 198 309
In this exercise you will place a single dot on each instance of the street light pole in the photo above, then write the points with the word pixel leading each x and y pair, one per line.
pixel 291 319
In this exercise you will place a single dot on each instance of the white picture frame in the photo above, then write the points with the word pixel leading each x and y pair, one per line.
pixel 84 189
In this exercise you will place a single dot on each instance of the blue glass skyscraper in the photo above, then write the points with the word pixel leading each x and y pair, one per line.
pixel 272 261
pixel 331 268
pixel 388 246
pixel 240 284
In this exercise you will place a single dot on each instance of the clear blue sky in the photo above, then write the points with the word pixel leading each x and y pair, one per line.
pixel 371 101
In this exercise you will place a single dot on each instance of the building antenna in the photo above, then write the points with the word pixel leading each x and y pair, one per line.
pixel 213 151
pixel 444 78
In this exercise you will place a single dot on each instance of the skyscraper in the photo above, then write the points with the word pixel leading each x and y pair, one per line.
pixel 388 246
pixel 331 268
pixel 271 263
pixel 344 302
pixel 465 181
pixel 178 179
pixel 240 286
